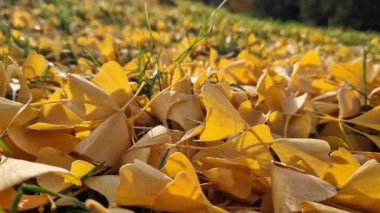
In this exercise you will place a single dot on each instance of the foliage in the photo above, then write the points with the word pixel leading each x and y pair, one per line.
pixel 356 14
pixel 121 106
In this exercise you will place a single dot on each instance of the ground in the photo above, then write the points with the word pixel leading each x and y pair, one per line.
pixel 119 106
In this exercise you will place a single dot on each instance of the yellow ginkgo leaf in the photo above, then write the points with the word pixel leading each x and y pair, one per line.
pixel 106 185
pixel 184 193
pixel 108 141
pixel 143 185
pixel 349 102
pixel 349 72
pixel 178 162
pixel 312 152
pixel 83 91
pixel 153 139
pixel 324 107
pixel 56 116
pixel 21 18
pixel 324 85
pixel 231 177
pixel 107 48
pixel 370 119
pixel 186 112
pixel 192 133
pixel 351 141
pixel 300 126
pixel 140 184
pixel 290 188
pixel 181 83
pixel 222 119
pixel 185 188
pixel 150 147
pixel 32 141
pixel 313 207
pixel 161 104
pixel 276 99
pixel 131 66
pixel 16 151
pixel 253 143
pixel 113 80
pixel 34 65
pixel 153 145
pixel 236 72
pixel 141 154
pixel 180 107
pixel 199 81
pixel 20 87
pixel 9 109
pixel 276 122
pixel 27 202
pixel 311 58
pixel 303 77
pixel 53 157
pixel 335 142
pixel 15 171
pixel 343 166
pixel 361 192
pixel 156 136
pixel 263 84
pixel 214 55
pixel 245 55
pixel 80 168
pixel 250 115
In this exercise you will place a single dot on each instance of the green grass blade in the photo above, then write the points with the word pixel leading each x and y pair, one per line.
pixel 93 171
pixel 6 30
pixel 85 177
pixel 92 56
pixel 204 32
pixel 364 76
pixel 6 148
pixel 163 159
pixel 36 189
pixel 16 201
pixel 151 40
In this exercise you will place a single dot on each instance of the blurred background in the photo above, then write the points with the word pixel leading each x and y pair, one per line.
pixel 356 14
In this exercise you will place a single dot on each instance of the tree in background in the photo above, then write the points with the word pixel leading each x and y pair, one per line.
pixel 358 14
pixel 317 12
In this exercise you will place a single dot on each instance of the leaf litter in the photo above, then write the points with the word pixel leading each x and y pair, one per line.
pixel 121 107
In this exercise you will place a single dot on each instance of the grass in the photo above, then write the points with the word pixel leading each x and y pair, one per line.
pixel 36 189
pixel 205 27
pixel 6 31
pixel 6 148
pixel 30 188
pixel 289 28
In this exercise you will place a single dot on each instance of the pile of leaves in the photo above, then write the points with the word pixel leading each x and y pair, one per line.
pixel 109 106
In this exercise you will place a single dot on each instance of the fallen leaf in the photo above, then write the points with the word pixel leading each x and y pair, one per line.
pixel 343 166
pixel 106 185
pixel 35 65
pixel 15 171
pixel 361 190
pixel 311 58
pixel 314 153
pixel 222 119
pixel 290 188
pixel 313 207
pixel 108 141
